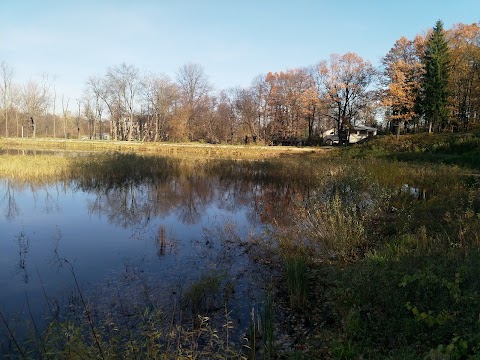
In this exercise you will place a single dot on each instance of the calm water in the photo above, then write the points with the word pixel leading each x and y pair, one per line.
pixel 164 234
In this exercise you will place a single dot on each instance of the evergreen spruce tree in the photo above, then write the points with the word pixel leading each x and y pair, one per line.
pixel 434 102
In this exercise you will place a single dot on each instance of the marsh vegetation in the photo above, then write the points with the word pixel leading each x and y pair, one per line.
pixel 364 252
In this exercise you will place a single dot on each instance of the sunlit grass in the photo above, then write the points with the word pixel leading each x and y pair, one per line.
pixel 461 149
pixel 182 150
pixel 97 169
pixel 35 168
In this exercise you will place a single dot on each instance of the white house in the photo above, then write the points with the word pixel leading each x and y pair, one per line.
pixel 355 134
pixel 360 132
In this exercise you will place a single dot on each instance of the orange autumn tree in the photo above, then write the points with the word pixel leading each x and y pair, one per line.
pixel 344 83
pixel 464 42
pixel 402 79
pixel 287 119
pixel 310 108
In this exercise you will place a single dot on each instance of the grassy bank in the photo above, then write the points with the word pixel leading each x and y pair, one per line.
pixel 167 149
pixel 456 149
pixel 393 252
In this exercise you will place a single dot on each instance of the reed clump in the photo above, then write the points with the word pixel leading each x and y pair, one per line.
pixel 297 280
pixel 335 228
pixel 36 169
pixel 147 335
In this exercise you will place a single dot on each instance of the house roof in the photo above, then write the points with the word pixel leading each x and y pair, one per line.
pixel 364 127
pixel 356 127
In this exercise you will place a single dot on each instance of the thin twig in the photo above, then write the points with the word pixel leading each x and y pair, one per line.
pixel 37 332
pixel 45 293
pixel 86 310
pixel 12 336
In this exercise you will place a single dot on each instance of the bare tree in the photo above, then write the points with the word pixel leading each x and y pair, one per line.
pixel 194 89
pixel 35 101
pixel 260 92
pixel 246 110
pixel 54 108
pixel 65 113
pixel 16 104
pixel 160 95
pixel 93 107
pixel 88 112
pixel 78 117
pixel 344 82
pixel 100 89
pixel 227 120
pixel 124 83
pixel 6 72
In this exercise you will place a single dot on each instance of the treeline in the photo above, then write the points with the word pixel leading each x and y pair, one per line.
pixel 430 83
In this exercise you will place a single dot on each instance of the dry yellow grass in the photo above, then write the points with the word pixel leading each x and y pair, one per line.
pixel 20 167
pixel 46 161
pixel 173 149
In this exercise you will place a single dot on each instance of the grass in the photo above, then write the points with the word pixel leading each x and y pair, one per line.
pixel 260 336
pixel 39 168
pixel 297 282
pixel 268 327
pixel 337 228
pixel 201 296
pixel 414 305
pixel 453 149
pixel 149 335
pixel 126 329
pixel 391 244
pixel 179 150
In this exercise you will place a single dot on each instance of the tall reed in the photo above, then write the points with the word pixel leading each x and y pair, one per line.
pixel 297 280
pixel 333 227
pixel 268 327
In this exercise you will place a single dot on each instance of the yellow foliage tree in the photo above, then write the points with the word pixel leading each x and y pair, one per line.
pixel 402 79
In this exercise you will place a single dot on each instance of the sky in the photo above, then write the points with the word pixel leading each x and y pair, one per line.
pixel 234 40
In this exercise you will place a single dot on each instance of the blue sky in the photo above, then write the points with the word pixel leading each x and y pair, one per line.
pixel 233 40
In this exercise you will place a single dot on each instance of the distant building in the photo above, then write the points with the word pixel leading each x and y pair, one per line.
pixel 355 134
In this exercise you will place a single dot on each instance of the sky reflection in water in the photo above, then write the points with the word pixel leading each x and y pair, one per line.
pixel 160 230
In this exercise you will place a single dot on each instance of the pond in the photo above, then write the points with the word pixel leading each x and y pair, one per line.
pixel 138 238
pixel 121 252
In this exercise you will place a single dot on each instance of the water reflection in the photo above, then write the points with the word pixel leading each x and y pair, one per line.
pixel 188 197
pixel 163 227
pixel 165 242
pixel 23 242
pixel 11 208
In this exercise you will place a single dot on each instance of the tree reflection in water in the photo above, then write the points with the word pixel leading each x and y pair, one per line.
pixel 188 218
pixel 23 242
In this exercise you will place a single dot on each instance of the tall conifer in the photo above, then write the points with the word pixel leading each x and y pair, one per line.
pixel 435 81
